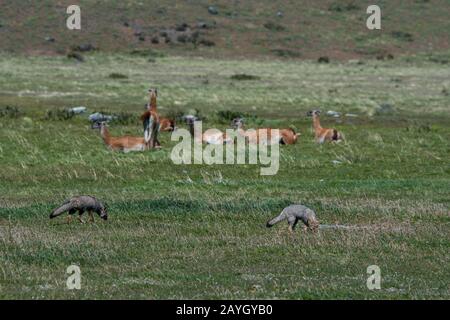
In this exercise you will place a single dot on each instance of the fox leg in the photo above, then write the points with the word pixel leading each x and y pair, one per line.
pixel 292 221
pixel 69 217
pixel 91 216
pixel 80 213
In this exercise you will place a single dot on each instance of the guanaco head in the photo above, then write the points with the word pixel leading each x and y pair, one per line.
pixel 98 125
pixel 190 119
pixel 237 123
pixel 153 92
pixel 313 113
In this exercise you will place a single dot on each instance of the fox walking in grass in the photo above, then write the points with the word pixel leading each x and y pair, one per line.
pixel 81 204
pixel 293 214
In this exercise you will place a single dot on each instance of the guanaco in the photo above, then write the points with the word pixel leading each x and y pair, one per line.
pixel 209 136
pixel 323 134
pixel 285 136
pixel 165 124
pixel 125 144
pixel 151 121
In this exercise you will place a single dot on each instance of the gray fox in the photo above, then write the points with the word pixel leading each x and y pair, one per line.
pixel 81 204
pixel 296 212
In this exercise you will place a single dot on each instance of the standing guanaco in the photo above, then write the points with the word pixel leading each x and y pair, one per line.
pixel 165 124
pixel 151 121
pixel 285 136
pixel 323 134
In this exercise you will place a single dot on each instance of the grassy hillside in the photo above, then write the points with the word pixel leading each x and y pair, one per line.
pixel 199 231
pixel 286 29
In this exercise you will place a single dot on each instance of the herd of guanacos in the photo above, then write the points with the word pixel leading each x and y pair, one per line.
pixel 153 124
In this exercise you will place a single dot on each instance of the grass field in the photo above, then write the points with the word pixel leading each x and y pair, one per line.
pixel 199 231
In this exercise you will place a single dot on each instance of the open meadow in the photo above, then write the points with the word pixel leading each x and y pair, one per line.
pixel 198 231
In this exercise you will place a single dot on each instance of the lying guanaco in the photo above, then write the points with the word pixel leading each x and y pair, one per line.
pixel 209 137
pixel 166 124
pixel 285 136
pixel 151 121
pixel 125 143
pixel 323 134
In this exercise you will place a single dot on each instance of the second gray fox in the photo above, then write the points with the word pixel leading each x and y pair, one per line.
pixel 293 214
pixel 81 204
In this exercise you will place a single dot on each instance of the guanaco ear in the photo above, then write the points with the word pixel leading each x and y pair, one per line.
pixel 156 92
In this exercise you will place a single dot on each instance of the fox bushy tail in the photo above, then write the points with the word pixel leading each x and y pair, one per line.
pixel 275 220
pixel 60 210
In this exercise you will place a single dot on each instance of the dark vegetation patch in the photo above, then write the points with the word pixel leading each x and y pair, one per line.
pixel 244 76
pixel 75 56
pixel 10 112
pixel 147 53
pixel 286 53
pixel 207 43
pixel 385 56
pixel 124 118
pixel 272 26
pixel 59 114
pixel 402 36
pixel 225 116
pixel 86 47
pixel 342 6
pixel 323 59
pixel 116 75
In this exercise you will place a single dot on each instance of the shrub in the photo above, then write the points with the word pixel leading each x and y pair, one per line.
pixel 124 118
pixel 286 53
pixel 243 76
pixel 147 53
pixel 10 112
pixel 403 36
pixel 340 7
pixel 115 75
pixel 274 26
pixel 225 116
pixel 59 114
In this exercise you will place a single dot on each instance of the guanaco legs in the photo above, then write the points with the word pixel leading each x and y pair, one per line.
pixel 151 121
pixel 125 144
pixel 323 134
pixel 285 136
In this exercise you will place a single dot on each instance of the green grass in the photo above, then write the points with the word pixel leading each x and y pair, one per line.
pixel 199 231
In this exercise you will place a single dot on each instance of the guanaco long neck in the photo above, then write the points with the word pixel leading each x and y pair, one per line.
pixel 105 135
pixel 191 128
pixel 316 123
pixel 152 102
